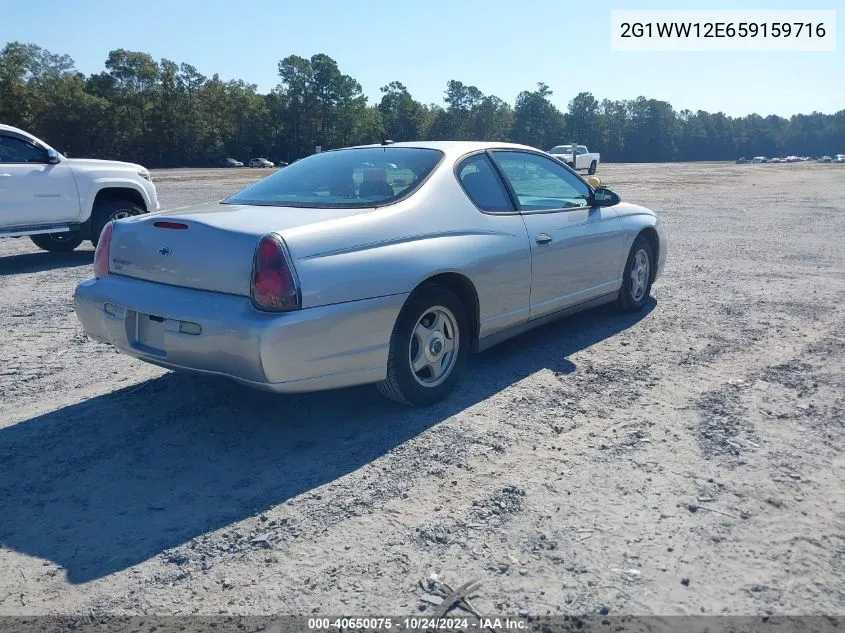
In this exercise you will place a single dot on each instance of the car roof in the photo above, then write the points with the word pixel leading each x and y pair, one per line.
pixel 16 130
pixel 452 148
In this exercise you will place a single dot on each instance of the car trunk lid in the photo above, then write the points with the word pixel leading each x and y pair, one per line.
pixel 205 247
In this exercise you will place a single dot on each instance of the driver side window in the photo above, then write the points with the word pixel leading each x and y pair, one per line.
pixel 540 183
pixel 16 150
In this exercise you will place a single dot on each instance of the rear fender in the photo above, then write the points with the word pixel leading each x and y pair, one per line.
pixel 497 263
pixel 394 249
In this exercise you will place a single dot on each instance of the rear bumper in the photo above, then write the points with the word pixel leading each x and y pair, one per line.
pixel 317 348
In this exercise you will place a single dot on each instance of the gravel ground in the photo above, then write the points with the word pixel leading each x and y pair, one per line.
pixel 685 460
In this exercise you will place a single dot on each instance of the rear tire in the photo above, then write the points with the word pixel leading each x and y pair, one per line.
pixel 108 210
pixel 637 278
pixel 57 242
pixel 432 335
pixel 593 168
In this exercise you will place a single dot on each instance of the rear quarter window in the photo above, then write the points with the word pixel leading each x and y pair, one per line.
pixel 481 182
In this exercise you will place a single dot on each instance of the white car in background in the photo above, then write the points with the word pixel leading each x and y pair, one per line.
pixel 759 159
pixel 59 202
pixel 839 158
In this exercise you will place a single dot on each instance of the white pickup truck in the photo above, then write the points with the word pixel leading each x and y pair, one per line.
pixel 59 202
pixel 577 158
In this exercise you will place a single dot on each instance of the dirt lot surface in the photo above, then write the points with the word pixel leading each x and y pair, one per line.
pixel 685 460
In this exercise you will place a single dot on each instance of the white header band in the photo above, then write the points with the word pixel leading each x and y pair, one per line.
pixel 724 30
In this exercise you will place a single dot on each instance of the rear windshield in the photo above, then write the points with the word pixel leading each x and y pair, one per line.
pixel 346 178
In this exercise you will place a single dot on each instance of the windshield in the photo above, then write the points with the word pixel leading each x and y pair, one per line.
pixel 346 178
pixel 561 149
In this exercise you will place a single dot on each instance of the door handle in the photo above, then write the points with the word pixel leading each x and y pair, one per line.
pixel 543 239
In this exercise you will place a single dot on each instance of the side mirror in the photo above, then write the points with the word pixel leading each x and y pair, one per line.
pixel 53 157
pixel 604 197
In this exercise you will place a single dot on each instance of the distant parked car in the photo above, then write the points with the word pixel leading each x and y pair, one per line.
pixel 839 158
pixel 281 163
pixel 260 162
pixel 825 159
pixel 759 159
pixel 741 160
pixel 777 160
pixel 792 159
pixel 231 162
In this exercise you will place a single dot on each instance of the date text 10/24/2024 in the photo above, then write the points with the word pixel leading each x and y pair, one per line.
pixel 416 624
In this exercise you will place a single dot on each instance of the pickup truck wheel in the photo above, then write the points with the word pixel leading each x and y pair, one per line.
pixel 105 212
pixel 592 169
pixel 57 242
pixel 428 348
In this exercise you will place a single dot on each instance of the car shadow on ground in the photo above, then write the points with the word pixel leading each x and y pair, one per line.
pixel 40 262
pixel 102 485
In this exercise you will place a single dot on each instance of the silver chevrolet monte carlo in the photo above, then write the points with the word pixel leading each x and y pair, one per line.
pixel 383 264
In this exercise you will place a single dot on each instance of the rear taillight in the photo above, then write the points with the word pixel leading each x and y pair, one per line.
pixel 101 254
pixel 274 287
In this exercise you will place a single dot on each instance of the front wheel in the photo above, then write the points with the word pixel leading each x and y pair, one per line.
pixel 593 168
pixel 106 211
pixel 428 348
pixel 637 278
pixel 57 242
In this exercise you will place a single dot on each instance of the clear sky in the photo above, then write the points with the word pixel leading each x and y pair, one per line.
pixel 500 46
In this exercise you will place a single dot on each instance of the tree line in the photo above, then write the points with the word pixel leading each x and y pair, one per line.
pixel 167 114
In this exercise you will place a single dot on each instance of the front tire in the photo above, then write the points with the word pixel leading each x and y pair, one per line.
pixel 57 242
pixel 593 168
pixel 638 276
pixel 428 348
pixel 108 210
